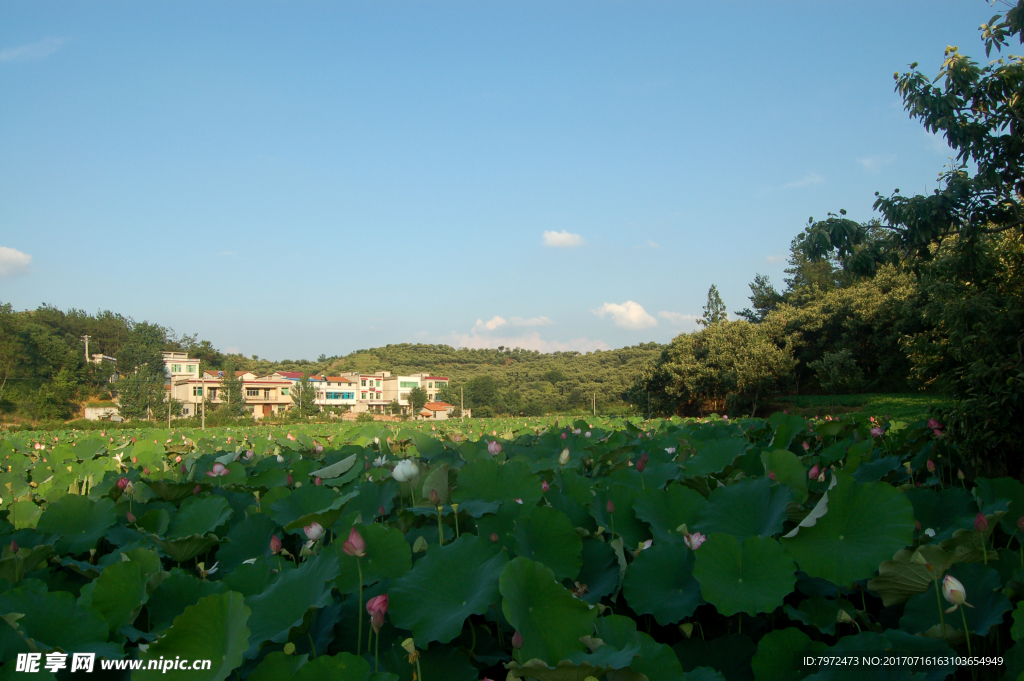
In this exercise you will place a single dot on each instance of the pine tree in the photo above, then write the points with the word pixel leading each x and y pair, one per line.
pixel 714 311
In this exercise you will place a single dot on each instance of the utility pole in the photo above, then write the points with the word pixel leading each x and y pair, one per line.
pixel 170 396
pixel 462 405
pixel 595 404
pixel 86 338
pixel 203 397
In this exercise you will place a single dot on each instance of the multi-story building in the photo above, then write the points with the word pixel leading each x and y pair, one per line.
pixel 432 384
pixel 335 391
pixel 180 365
pixel 397 388
pixel 263 396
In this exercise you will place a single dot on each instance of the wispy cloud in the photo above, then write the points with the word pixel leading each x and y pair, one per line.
pixel 13 263
pixel 806 181
pixel 648 244
pixel 679 320
pixel 498 321
pixel 628 315
pixel 873 163
pixel 529 341
pixel 532 321
pixel 772 259
pixel 490 325
pixel 32 51
pixel 562 239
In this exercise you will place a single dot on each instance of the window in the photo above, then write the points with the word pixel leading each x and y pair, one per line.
pixel 284 392
pixel 319 396
pixel 408 384
pixel 430 384
pixel 348 396
pixel 191 368
pixel 213 393
pixel 197 391
pixel 268 394
pixel 252 392
pixel 364 382
pixel 378 384
pixel 363 396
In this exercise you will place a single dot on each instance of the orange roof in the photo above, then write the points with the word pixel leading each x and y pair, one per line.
pixel 341 379
pixel 436 378
pixel 437 406
pixel 213 373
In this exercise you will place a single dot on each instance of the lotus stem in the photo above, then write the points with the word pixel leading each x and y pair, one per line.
pixel 967 631
pixel 440 527
pixel 942 617
pixel 359 610
pixel 376 653
pixel 312 646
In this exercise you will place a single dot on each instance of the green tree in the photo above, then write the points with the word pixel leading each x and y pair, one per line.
pixel 714 309
pixel 303 394
pixel 233 399
pixel 837 372
pixel 417 397
pixel 763 298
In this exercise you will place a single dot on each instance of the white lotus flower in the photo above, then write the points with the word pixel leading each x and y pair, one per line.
pixel 563 458
pixel 380 461
pixel 405 470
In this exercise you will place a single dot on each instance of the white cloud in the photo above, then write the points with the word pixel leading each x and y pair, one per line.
pixel 530 341
pixel 873 163
pixel 772 259
pixel 532 321
pixel 39 50
pixel 562 239
pixel 805 181
pixel 490 325
pixel 628 315
pixel 648 244
pixel 13 263
pixel 679 319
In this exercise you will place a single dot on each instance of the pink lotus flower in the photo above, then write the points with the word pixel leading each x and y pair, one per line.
pixel 122 483
pixel 564 436
pixel 813 473
pixel 177 459
pixel 517 640
pixel 319 449
pixel 377 607
pixel 355 546
pixel 936 432
pixel 930 465
pixel 544 486
pixel 218 470
pixel 275 545
pixel 693 541
pixel 494 448
pixel 933 424
pixel 806 446
pixel 586 434
pixel 314 531
pixel 290 437
pixel 771 474
pixel 318 480
pixel 980 522
pixel 876 432
pixel 249 454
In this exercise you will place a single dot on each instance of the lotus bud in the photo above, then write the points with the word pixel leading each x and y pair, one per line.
pixel 813 473
pixel 280 458
pixel 544 486
pixel 564 436
pixel 806 446
pixel 610 506
pixel 980 522
pixel 917 525
pixel 953 591
pixel 314 531
pixel 377 607
pixel 130 516
pixel 319 449
pixel 275 545
pixel 930 465
pixel 14 546
pixel 318 480
pixel 381 511
pixel 135 459
pixel 771 474
pixel 563 458
pixel 586 434
pixel 959 474
pixel 145 470
pixel 405 470
pixel 182 470
pixel 517 640
pixel 197 490
pixel 494 537
pixel 355 546
pixel 249 454
pixel 122 483
pixel 933 424
pixel 289 480
pixel 494 448
pixel 687 629
pixel 435 498
pixel 1020 523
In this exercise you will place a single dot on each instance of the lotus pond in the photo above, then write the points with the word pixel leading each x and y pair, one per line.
pixel 599 549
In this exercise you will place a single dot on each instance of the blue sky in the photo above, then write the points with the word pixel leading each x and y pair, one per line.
pixel 290 179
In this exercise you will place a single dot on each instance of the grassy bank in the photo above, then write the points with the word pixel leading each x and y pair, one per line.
pixel 902 407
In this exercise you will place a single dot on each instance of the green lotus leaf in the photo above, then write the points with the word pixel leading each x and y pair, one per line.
pixel 251 579
pixel 660 583
pixel 600 572
pixel 545 614
pixel 621 521
pixel 991 490
pixel 277 666
pixel 213 629
pixel 284 603
pixel 910 573
pixel 546 535
pixel 54 620
pixel 984 592
pixel 1017 630
pixel 341 667
pixel 172 491
pixel 335 469
pixel 785 428
pixel 788 470
pixel 944 510
pixel 728 656
pixel 388 555
pixel 13 568
pixel 155 521
pixel 23 514
pixel 199 515
pixel 565 671
pixel 436 481
pixel 655 661
pixel 666 510
pixel 119 593
pixel 487 480
pixel 248 539
pixel 714 456
pixel 326 518
pixel 746 508
pixel 778 654
pixel 79 520
pixel 185 548
pixel 820 612
pixel 751 576
pixel 175 593
pixel 864 525
pixel 446 586
pixel 304 501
